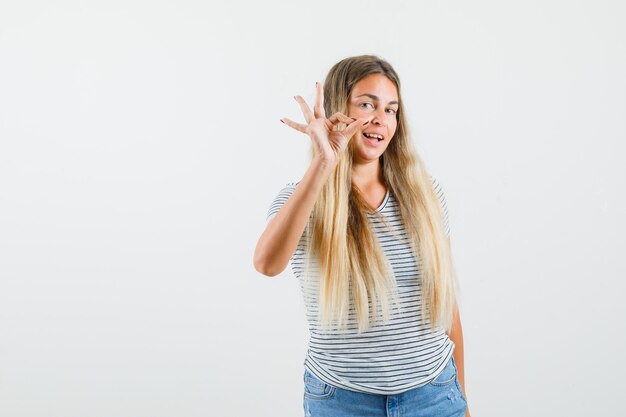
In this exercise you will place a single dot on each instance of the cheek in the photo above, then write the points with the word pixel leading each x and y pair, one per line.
pixel 393 126
pixel 355 112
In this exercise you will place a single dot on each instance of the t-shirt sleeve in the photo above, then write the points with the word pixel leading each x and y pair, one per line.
pixel 442 200
pixel 280 199
pixel 275 206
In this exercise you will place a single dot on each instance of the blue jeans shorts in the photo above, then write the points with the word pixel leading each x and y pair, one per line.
pixel 442 397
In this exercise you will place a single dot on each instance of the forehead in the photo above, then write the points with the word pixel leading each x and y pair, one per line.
pixel 378 85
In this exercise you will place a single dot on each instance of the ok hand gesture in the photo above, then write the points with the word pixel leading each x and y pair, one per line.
pixel 328 140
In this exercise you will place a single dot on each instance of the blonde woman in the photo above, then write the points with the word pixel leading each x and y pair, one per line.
pixel 367 235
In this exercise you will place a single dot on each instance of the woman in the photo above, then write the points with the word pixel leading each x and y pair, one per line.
pixel 367 234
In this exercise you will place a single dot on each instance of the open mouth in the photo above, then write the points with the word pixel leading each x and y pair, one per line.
pixel 373 138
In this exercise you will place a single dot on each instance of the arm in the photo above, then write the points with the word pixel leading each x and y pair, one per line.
pixel 282 234
pixel 280 239
pixel 456 335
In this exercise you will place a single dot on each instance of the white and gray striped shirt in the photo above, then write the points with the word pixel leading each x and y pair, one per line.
pixel 389 358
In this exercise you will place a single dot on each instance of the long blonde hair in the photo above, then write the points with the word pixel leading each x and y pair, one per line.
pixel 352 265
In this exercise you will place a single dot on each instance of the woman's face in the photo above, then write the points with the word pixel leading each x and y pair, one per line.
pixel 376 97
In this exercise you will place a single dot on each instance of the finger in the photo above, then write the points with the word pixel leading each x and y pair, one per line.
pixel 340 117
pixel 340 121
pixel 299 127
pixel 308 116
pixel 355 125
pixel 318 110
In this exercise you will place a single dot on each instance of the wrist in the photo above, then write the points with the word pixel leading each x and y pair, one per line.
pixel 324 166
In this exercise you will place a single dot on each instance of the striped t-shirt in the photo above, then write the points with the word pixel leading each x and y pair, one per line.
pixel 389 358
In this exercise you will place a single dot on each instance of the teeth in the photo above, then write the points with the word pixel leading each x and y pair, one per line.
pixel 373 135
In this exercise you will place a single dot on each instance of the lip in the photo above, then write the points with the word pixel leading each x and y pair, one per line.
pixel 372 142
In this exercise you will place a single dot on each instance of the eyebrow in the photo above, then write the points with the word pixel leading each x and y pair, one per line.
pixel 373 97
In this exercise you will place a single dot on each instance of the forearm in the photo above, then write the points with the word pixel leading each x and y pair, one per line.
pixel 281 236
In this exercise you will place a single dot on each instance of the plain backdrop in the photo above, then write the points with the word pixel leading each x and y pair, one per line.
pixel 140 148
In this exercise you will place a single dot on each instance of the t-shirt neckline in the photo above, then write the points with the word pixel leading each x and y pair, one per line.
pixel 383 204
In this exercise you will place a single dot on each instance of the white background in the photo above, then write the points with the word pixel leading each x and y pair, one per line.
pixel 140 148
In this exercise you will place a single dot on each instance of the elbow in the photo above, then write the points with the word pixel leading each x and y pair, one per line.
pixel 261 265
pixel 262 269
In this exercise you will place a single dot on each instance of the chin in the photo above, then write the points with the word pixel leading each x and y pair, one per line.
pixel 361 156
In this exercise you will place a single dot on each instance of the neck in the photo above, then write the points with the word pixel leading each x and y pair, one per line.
pixel 366 174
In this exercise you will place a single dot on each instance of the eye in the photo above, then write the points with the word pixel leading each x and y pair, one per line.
pixel 365 104
pixel 393 111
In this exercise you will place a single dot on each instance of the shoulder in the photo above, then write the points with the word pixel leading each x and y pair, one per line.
pixel 280 198
pixel 437 188
pixel 434 181
pixel 287 189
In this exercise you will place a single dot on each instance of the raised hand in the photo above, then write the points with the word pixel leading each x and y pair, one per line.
pixel 325 133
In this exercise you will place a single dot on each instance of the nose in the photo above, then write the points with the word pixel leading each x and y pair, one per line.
pixel 379 117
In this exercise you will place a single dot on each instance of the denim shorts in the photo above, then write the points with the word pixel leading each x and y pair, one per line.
pixel 442 397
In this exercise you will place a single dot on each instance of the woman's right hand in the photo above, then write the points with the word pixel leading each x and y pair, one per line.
pixel 328 140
